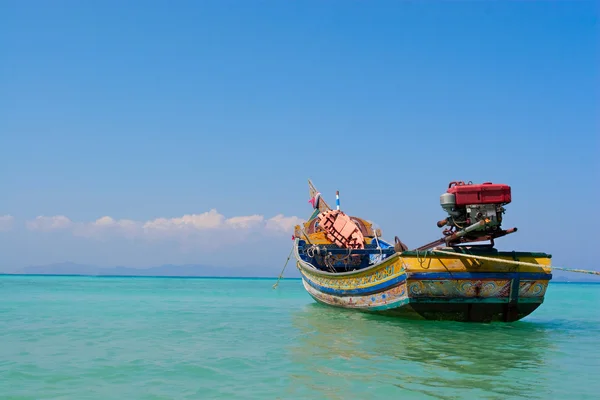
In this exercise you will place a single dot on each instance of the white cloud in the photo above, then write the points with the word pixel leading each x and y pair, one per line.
pixel 248 222
pixel 208 220
pixel 105 226
pixel 282 223
pixel 47 224
pixel 6 222
pixel 185 227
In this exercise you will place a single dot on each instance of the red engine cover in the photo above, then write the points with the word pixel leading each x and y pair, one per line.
pixel 486 193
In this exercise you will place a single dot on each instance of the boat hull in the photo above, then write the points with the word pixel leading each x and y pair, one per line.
pixel 434 287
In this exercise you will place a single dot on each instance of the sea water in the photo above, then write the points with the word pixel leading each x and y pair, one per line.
pixel 171 338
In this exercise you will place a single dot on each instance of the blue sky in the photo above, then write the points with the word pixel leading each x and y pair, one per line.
pixel 151 110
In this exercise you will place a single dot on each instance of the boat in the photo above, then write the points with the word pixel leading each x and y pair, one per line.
pixel 345 262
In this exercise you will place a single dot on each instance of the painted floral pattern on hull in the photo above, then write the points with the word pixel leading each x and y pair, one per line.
pixel 468 288
pixel 345 283
pixel 533 288
pixel 475 288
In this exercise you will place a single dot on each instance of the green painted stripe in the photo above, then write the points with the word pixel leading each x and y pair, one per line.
pixel 389 306
pixel 474 300
pixel 479 252
pixel 443 300
pixel 531 300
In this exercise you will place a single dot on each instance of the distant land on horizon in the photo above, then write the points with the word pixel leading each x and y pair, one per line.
pixel 207 271
pixel 192 270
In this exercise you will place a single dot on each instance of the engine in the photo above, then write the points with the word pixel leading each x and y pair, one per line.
pixel 474 210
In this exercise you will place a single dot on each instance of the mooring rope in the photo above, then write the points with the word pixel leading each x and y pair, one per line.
pixel 582 271
pixel 286 263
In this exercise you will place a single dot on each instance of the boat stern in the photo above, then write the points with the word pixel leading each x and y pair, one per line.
pixel 455 287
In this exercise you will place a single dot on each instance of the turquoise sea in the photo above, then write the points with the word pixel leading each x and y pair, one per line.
pixel 171 338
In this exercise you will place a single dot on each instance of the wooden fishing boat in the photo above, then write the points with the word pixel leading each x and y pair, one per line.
pixel 344 262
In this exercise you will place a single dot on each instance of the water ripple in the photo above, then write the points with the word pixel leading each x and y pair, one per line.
pixel 100 338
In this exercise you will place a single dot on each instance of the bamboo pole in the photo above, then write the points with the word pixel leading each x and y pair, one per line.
pixel 500 260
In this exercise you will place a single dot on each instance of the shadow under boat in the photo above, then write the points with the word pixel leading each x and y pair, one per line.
pixel 400 351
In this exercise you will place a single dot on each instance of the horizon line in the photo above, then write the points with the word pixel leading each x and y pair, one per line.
pixel 204 277
pixel 152 276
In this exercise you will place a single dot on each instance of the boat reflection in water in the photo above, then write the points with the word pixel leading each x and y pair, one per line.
pixel 377 355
